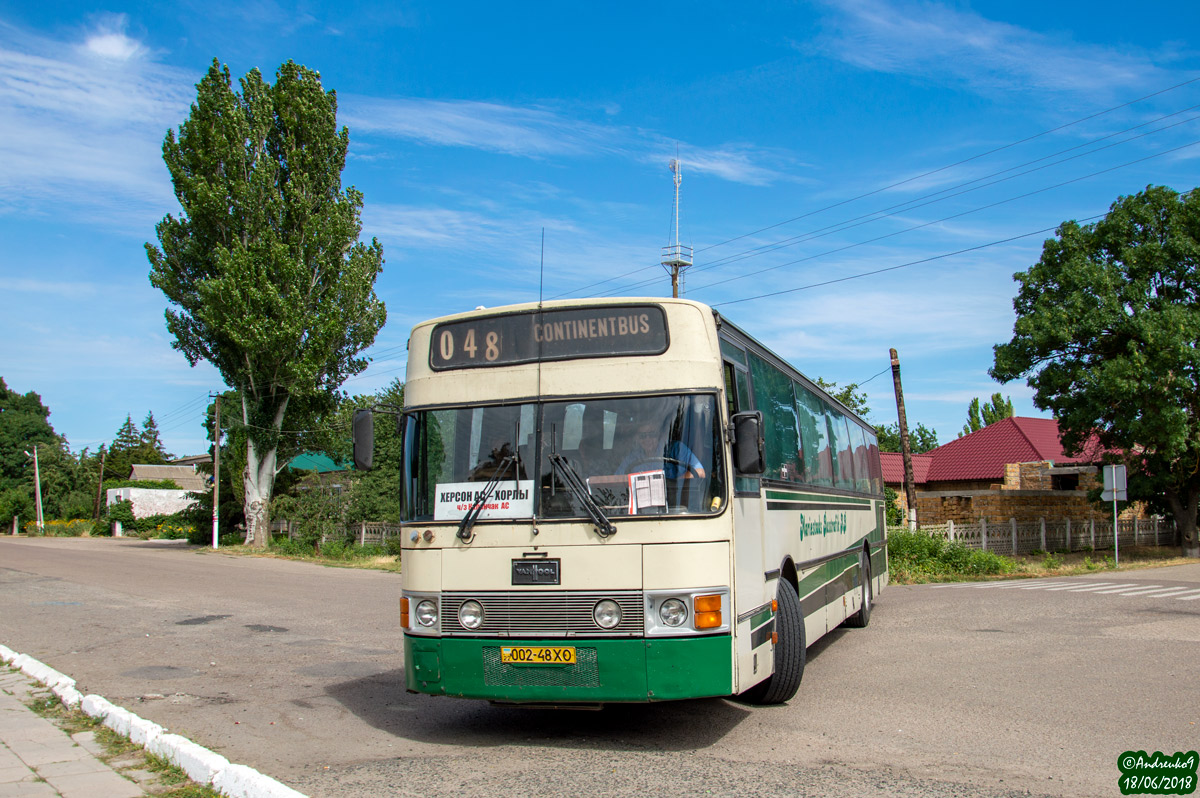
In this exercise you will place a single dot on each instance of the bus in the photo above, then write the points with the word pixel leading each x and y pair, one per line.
pixel 624 500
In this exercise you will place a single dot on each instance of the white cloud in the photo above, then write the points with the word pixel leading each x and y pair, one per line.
pixel 538 132
pixel 83 126
pixel 936 41
pixel 109 40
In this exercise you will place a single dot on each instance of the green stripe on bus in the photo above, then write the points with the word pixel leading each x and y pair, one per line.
pixel 818 498
pixel 761 618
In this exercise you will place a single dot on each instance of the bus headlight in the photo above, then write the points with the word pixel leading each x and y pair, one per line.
pixel 672 612
pixel 427 613
pixel 607 614
pixel 470 614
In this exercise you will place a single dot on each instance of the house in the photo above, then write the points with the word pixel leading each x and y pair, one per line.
pixel 1014 468
pixel 161 501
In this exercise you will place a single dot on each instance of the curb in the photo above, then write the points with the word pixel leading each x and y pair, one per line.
pixel 200 764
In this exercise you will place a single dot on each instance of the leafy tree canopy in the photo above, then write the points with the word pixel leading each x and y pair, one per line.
pixel 979 416
pixel 264 271
pixel 1107 327
pixel 920 440
pixel 24 421
pixel 849 395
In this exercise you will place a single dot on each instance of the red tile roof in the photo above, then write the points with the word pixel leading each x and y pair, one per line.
pixel 982 455
pixel 893 467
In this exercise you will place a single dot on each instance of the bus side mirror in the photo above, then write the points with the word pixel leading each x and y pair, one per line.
pixel 748 444
pixel 363 427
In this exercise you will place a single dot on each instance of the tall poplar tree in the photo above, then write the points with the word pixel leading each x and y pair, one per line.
pixel 264 270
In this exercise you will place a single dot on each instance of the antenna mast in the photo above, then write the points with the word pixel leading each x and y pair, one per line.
pixel 676 258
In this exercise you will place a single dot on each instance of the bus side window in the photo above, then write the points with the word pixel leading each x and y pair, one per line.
pixel 730 392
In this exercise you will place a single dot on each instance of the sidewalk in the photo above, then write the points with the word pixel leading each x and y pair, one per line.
pixel 37 758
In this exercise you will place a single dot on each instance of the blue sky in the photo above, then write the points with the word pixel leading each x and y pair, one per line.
pixel 819 141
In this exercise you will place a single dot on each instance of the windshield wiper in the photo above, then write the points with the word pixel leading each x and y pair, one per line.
pixel 604 527
pixel 468 520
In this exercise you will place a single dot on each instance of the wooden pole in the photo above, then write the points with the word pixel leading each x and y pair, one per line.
pixel 99 486
pixel 910 490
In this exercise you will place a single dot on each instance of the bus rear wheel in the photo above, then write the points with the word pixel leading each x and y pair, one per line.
pixel 860 619
pixel 790 652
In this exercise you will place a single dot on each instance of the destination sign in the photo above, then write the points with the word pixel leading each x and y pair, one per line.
pixel 604 331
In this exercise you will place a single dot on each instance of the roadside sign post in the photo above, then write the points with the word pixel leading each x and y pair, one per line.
pixel 1114 490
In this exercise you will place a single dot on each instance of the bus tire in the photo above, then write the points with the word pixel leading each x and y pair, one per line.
pixel 860 619
pixel 790 652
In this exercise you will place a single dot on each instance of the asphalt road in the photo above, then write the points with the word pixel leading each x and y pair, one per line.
pixel 295 669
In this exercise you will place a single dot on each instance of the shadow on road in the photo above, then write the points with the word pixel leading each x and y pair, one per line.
pixel 381 701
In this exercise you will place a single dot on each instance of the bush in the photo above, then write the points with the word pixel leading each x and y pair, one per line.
pixel 59 529
pixel 178 526
pixel 920 557
pixel 292 547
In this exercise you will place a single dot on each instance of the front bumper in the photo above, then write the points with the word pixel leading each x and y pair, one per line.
pixel 660 669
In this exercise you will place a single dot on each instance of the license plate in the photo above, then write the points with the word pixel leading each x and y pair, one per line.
pixel 538 655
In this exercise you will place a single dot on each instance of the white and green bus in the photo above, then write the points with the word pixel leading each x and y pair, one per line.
pixel 624 500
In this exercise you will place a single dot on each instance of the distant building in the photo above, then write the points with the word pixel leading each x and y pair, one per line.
pixel 162 501
pixel 1014 468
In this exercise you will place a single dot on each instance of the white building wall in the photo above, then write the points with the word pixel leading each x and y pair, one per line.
pixel 152 501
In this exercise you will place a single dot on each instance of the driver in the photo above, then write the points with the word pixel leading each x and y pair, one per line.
pixel 652 453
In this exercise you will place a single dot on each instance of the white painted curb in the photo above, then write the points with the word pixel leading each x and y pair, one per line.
pixel 200 764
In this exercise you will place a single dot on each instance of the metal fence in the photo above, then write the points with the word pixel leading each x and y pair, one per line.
pixel 365 532
pixel 1061 534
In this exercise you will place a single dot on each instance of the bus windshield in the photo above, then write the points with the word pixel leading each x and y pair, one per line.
pixel 643 456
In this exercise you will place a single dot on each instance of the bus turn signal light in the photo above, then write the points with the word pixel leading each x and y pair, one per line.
pixel 404 612
pixel 707 611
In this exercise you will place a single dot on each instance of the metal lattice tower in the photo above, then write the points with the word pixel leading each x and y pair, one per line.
pixel 676 257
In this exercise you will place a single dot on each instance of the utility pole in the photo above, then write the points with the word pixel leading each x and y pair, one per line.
pixel 37 486
pixel 216 469
pixel 99 485
pixel 910 490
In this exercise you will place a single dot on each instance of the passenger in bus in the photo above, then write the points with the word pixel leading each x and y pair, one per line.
pixel 652 452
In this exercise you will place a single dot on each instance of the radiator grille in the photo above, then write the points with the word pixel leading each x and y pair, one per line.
pixel 584 673
pixel 544 614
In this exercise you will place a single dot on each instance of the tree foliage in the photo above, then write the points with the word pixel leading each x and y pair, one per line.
pixel 68 481
pixel 979 416
pixel 920 440
pixel 849 395
pixel 1107 327
pixel 264 271
pixel 132 446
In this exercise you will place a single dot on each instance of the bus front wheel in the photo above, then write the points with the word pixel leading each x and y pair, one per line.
pixel 790 651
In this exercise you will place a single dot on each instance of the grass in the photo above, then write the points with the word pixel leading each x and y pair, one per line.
pixel 336 555
pixel 116 747
pixel 916 558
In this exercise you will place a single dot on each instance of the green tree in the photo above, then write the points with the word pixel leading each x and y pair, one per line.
pixel 1106 334
pixel 849 395
pixel 264 270
pixel 67 481
pixel 920 440
pixel 152 446
pixel 979 416
pixel 24 421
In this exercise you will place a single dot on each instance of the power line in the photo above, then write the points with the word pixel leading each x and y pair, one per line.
pixel 898 266
pixel 898 183
pixel 946 218
pixel 912 203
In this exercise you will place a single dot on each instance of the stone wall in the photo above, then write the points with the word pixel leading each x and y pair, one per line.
pixel 1025 494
